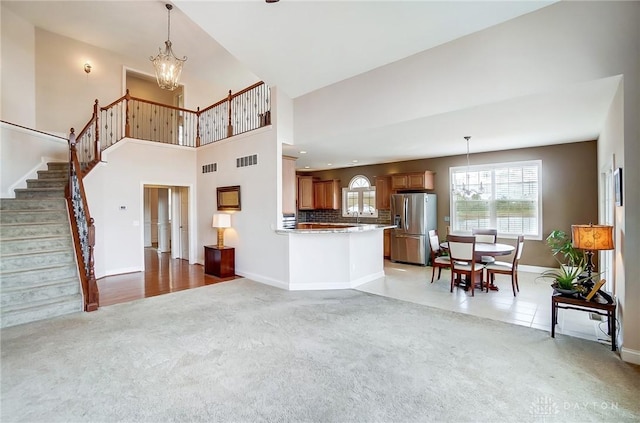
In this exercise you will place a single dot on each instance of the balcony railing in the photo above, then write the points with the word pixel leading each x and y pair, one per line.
pixel 132 117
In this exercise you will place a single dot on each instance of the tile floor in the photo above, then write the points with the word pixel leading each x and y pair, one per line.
pixel 531 307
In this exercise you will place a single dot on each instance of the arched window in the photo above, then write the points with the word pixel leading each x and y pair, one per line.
pixel 359 199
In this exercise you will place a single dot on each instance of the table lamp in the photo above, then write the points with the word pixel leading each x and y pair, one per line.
pixel 221 221
pixel 592 238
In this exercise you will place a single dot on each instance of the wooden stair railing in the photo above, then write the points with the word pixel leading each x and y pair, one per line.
pixel 132 117
pixel 83 228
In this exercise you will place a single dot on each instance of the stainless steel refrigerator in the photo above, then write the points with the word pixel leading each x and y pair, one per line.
pixel 413 215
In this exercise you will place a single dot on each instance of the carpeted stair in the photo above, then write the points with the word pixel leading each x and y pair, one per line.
pixel 38 272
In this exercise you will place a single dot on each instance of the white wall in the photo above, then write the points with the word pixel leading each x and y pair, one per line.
pixel 23 153
pixel 260 254
pixel 119 182
pixel 18 70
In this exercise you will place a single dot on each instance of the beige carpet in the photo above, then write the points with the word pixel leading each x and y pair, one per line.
pixel 243 352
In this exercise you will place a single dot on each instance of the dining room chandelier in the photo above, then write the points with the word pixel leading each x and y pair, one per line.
pixel 465 190
pixel 168 66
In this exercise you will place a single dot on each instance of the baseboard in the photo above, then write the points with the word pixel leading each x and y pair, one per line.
pixel 532 269
pixel 264 280
pixel 630 356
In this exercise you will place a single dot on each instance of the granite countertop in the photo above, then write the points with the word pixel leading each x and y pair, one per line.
pixel 335 228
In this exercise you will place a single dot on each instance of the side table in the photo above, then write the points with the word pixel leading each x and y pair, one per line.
pixel 219 262
pixel 573 303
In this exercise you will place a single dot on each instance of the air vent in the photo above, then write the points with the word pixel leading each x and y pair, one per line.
pixel 247 161
pixel 208 168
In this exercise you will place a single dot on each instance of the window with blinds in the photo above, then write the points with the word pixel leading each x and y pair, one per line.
pixel 359 197
pixel 505 196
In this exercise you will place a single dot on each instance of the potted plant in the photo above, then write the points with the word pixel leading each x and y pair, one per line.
pixel 561 245
pixel 566 278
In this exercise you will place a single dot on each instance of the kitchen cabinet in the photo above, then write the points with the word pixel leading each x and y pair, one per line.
pixel 387 243
pixel 413 180
pixel 305 193
pixel 288 185
pixel 326 194
pixel 383 192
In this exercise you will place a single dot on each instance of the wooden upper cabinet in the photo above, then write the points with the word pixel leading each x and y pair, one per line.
pixel 326 194
pixel 288 185
pixel 414 180
pixel 305 193
pixel 383 192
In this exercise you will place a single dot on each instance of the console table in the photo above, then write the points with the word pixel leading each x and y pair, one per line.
pixel 219 261
pixel 573 303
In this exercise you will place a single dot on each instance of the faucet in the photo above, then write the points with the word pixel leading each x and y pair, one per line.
pixel 357 217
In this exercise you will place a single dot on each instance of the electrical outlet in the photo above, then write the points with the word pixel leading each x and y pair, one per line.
pixel 446 219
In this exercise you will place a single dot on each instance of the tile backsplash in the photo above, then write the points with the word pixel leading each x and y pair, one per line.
pixel 335 216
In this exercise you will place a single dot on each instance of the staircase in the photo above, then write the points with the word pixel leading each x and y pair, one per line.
pixel 38 271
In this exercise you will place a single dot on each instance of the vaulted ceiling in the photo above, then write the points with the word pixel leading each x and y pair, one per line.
pixel 302 46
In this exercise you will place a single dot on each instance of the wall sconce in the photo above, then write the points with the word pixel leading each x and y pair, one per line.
pixel 87 67
pixel 221 221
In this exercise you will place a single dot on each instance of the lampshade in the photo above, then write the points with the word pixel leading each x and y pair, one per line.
pixel 592 237
pixel 221 220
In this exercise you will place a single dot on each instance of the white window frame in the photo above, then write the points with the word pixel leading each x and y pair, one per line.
pixel 360 190
pixel 473 183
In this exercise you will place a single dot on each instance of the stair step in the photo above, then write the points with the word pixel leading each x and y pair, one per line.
pixel 25 230
pixel 58 166
pixel 39 192
pixel 53 174
pixel 40 310
pixel 47 183
pixel 34 245
pixel 42 292
pixel 34 216
pixel 33 261
pixel 33 204
pixel 30 277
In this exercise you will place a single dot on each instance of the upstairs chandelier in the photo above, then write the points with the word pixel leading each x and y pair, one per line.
pixel 465 191
pixel 168 66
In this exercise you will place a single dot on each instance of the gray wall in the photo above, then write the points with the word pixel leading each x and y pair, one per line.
pixel 569 186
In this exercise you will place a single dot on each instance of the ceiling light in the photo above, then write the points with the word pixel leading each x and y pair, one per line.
pixel 329 164
pixel 168 66
pixel 465 191
pixel 303 152
pixel 306 167
pixel 354 161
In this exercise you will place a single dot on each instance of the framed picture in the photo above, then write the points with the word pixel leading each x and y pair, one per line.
pixel 617 183
pixel 228 197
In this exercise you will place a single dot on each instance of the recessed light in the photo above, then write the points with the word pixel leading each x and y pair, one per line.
pixel 329 164
pixel 354 161
pixel 306 167
pixel 303 152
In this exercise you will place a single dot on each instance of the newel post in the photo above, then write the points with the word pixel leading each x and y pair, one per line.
pixel 96 141
pixel 127 127
pixel 198 127
pixel 72 148
pixel 93 299
pixel 229 126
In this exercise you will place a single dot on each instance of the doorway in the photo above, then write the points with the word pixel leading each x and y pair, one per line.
pixel 166 220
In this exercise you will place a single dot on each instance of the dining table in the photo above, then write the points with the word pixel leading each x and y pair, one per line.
pixel 487 249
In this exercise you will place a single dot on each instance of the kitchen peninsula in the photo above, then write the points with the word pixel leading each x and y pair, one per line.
pixel 334 255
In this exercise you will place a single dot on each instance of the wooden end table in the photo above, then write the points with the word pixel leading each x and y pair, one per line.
pixel 573 303
pixel 219 262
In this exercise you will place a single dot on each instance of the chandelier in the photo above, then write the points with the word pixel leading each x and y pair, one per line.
pixel 168 66
pixel 465 192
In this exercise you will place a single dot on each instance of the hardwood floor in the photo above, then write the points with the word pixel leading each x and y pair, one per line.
pixel 162 275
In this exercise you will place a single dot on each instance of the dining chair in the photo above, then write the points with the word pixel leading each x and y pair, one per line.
pixel 488 236
pixel 438 259
pixel 504 268
pixel 463 261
